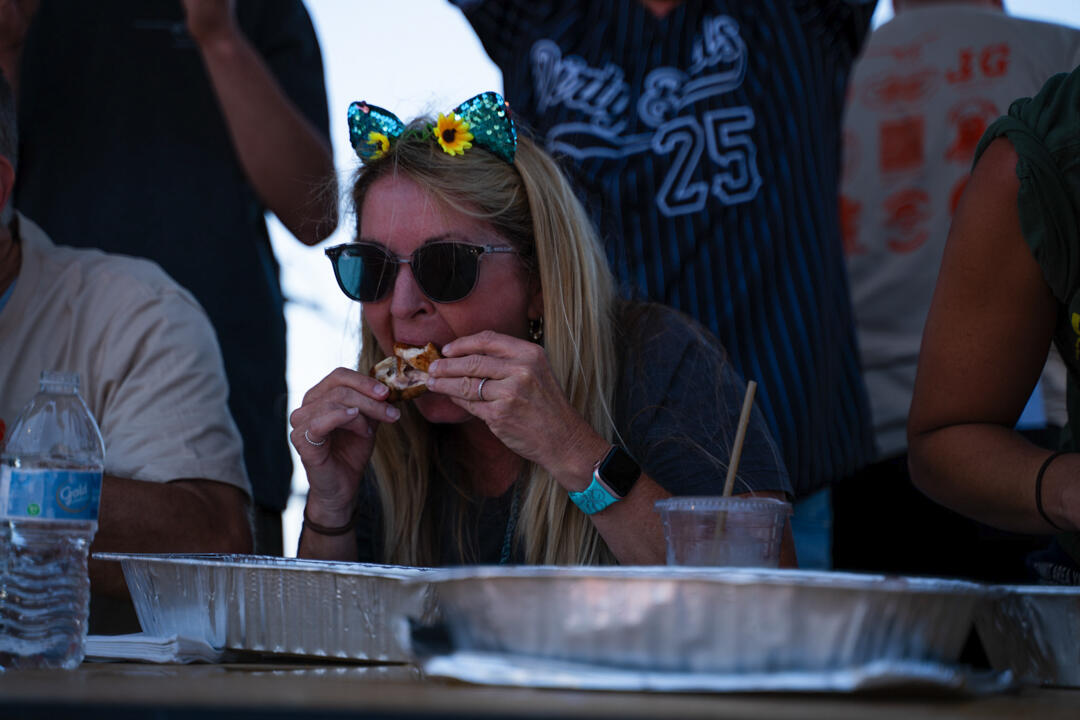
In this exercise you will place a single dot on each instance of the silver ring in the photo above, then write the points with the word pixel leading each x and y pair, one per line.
pixel 312 442
pixel 480 389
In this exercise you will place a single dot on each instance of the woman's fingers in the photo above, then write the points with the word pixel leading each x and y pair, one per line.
pixel 322 419
pixel 375 408
pixel 357 414
pixel 484 356
pixel 339 418
pixel 470 366
pixel 343 400
pixel 346 378
pixel 460 376
pixel 349 389
pixel 468 389
pixel 487 342
pixel 507 382
pixel 310 434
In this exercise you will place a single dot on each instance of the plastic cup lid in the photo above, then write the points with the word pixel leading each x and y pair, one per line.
pixel 716 503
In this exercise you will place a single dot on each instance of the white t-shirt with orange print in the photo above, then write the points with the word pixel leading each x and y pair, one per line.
pixel 927 85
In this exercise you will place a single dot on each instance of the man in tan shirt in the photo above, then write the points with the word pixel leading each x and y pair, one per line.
pixel 151 373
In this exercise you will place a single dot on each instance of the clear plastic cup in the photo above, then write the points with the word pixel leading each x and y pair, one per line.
pixel 723 531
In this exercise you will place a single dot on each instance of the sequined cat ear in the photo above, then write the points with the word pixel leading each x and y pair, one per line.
pixel 490 123
pixel 372 129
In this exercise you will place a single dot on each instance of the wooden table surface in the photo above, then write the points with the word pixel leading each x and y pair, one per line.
pixel 128 690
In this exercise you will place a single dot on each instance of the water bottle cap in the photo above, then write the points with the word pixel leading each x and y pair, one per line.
pixel 54 381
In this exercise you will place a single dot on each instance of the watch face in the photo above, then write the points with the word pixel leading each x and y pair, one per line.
pixel 619 471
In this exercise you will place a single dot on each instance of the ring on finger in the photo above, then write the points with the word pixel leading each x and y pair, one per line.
pixel 480 389
pixel 312 442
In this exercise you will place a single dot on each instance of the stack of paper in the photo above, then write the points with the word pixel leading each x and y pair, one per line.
pixel 148 648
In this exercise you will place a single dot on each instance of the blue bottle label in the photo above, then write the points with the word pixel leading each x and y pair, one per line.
pixel 50 494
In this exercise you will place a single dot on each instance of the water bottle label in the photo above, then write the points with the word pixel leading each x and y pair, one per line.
pixel 49 494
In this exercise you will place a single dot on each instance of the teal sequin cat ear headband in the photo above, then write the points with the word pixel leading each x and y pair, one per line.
pixel 484 120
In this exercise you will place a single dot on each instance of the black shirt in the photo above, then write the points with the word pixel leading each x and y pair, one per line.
pixel 124 147
pixel 676 410
pixel 708 145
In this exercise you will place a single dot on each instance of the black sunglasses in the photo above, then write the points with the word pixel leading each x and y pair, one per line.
pixel 445 271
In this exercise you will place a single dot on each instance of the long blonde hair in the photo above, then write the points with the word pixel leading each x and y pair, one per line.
pixel 532 206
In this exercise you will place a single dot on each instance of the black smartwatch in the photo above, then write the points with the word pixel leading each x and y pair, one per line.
pixel 612 479
pixel 618 471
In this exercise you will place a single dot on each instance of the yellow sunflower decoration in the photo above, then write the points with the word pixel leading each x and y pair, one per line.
pixel 453 134
pixel 381 143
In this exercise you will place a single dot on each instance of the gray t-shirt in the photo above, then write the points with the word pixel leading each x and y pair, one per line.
pixel 677 406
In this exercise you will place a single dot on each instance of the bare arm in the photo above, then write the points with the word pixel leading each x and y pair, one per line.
pixel 178 516
pixel 327 547
pixel 15 17
pixel 283 155
pixel 984 345
pixel 334 435
pixel 632 528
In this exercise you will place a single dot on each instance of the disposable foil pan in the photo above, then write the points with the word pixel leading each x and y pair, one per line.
pixel 278 605
pixel 1033 630
pixel 705 620
pixel 881 676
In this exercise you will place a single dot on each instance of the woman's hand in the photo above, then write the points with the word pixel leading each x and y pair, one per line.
pixel 339 416
pixel 521 403
pixel 208 20
pixel 15 17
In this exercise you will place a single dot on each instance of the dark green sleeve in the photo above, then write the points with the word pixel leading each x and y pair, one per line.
pixel 1045 132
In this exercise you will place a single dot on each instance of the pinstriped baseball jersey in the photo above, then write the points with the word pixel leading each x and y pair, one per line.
pixel 707 146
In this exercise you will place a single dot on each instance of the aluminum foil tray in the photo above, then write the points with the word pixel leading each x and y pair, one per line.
pixel 881 676
pixel 1033 630
pixel 278 605
pixel 705 620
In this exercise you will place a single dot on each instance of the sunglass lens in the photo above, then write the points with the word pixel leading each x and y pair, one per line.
pixel 446 271
pixel 365 272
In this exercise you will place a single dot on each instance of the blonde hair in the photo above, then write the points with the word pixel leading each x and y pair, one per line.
pixel 532 206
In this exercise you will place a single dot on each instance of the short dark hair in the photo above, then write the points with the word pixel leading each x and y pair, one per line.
pixel 9 132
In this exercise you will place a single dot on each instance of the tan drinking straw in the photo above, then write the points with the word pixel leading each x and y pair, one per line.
pixel 736 450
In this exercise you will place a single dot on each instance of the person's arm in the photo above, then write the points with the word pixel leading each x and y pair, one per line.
pixel 508 28
pixel 681 420
pixel 678 407
pixel 841 25
pixel 984 345
pixel 15 17
pixel 327 547
pixel 286 159
pixel 632 527
pixel 526 410
pixel 334 435
pixel 183 516
pixel 154 379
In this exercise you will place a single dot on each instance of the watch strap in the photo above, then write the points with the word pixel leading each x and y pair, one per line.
pixel 596 497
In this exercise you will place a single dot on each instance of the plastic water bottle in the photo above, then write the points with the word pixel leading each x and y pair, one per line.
pixel 50 484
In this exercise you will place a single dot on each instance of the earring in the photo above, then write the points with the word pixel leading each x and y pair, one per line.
pixel 536 330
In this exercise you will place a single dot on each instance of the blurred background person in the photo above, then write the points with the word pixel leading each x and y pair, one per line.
pixel 166 129
pixel 706 139
pixel 926 87
pixel 1007 289
pixel 150 372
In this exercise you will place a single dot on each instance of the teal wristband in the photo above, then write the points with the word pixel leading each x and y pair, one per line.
pixel 594 498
